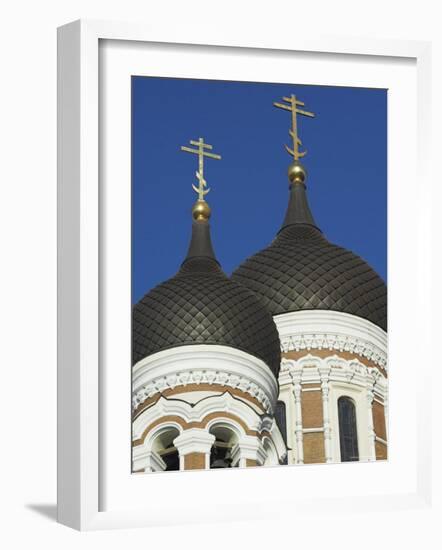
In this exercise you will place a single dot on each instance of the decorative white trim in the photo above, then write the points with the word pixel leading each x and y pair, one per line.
pixel 196 413
pixel 359 397
pixel 352 371
pixel 199 439
pixel 332 330
pixel 313 430
pixel 148 461
pixel 204 364
pixel 296 374
pixel 248 447
pixel 371 432
pixel 269 424
pixel 336 376
pixel 195 440
pixel 324 372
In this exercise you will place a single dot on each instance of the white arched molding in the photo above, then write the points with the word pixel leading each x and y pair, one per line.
pixel 145 457
pixel 335 377
pixel 332 330
pixel 271 453
pixel 296 375
pixel 204 364
pixel 239 416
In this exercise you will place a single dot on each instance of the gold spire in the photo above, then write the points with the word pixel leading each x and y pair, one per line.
pixel 297 172
pixel 201 210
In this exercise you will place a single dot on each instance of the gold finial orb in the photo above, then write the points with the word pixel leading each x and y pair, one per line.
pixel 297 173
pixel 201 211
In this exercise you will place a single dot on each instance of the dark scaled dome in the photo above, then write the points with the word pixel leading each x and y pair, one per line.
pixel 302 270
pixel 201 305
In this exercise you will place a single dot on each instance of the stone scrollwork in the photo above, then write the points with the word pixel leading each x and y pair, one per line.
pixel 310 369
pixel 333 331
pixel 199 377
pixel 335 342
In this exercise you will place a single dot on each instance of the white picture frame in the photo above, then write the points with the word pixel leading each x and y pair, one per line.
pixel 80 441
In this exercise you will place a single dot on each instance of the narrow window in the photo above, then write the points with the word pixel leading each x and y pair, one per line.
pixel 281 421
pixel 348 434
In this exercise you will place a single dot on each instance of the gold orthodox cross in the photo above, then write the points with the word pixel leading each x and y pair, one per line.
pixel 292 104
pixel 202 151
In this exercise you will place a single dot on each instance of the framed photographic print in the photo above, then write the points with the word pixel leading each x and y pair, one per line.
pixel 226 213
pixel 284 362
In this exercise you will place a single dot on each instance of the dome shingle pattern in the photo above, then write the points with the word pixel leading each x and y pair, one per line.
pixel 301 270
pixel 201 305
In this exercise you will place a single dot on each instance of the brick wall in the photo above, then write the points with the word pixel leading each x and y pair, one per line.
pixel 314 451
pixel 379 420
pixel 311 403
pixel 381 451
pixel 195 461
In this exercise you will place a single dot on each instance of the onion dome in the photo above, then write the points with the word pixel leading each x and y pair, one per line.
pixel 201 305
pixel 302 270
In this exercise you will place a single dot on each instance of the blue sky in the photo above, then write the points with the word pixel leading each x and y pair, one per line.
pixel 346 164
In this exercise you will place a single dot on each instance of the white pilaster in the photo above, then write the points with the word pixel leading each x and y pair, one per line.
pixel 371 432
pixel 154 462
pixel 297 392
pixel 324 372
pixel 195 440
pixel 148 460
pixel 248 447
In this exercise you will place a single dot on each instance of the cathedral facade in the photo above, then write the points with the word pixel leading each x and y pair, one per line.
pixel 285 362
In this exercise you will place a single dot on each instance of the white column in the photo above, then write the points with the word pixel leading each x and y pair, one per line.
pixel 248 447
pixel 325 375
pixel 195 440
pixel 149 461
pixel 154 462
pixel 371 432
pixel 297 390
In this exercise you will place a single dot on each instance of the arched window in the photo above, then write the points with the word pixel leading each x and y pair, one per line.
pixel 164 447
pixel 220 453
pixel 348 433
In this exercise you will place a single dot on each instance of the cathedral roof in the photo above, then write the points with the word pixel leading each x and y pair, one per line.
pixel 302 270
pixel 201 305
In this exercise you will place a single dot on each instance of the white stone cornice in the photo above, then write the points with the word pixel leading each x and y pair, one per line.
pixel 204 364
pixel 332 330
